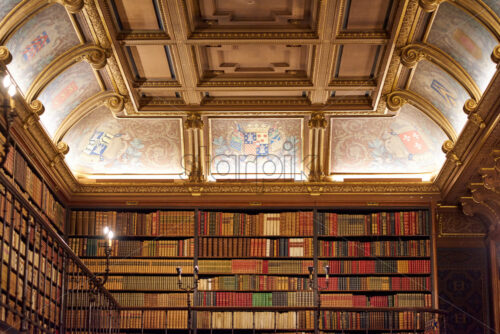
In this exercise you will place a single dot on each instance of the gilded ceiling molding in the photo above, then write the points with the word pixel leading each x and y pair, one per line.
pixel 491 175
pixel 35 110
pixel 429 5
pixel 194 127
pixel 5 55
pixel 112 100
pixel 256 83
pixel 398 98
pixel 414 53
pixel 495 55
pixel 482 12
pixel 92 54
pixel 260 188
pixel 482 210
pixel 317 125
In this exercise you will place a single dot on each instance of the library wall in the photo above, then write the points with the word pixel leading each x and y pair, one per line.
pixel 463 272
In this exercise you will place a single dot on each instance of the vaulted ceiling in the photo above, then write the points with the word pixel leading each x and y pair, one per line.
pixel 233 89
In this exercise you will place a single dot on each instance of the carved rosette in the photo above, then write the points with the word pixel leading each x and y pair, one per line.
pixel 395 100
pixel 73 6
pixel 429 5
pixel 5 55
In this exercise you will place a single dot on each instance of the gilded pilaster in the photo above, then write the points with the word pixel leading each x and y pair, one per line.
pixel 194 126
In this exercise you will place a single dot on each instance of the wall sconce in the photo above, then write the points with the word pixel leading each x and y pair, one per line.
pixel 8 109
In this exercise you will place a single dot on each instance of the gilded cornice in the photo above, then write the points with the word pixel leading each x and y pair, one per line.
pixel 398 98
pixel 143 37
pixel 370 37
pixel 353 84
pixel 256 83
pixel 414 53
pixel 255 101
pixel 261 188
pixel 317 121
pixel 92 54
pixel 193 121
pixel 257 35
pixel 103 98
pixel 156 84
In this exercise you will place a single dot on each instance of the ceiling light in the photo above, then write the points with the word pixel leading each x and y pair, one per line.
pixel 6 81
pixel 12 90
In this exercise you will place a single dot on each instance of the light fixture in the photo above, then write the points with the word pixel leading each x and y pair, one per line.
pixel 8 109
pixel 12 90
pixel 7 82
pixel 108 234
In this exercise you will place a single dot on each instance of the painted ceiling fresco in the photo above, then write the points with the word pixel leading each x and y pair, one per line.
pixel 247 146
pixel 102 144
pixel 39 41
pixel 408 143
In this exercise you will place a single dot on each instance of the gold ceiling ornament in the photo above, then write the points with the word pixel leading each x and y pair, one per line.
pixel 193 121
pixel 62 147
pixel 470 108
pixel 116 103
pixel 491 175
pixel 5 55
pixel 61 150
pixel 413 53
pixel 447 148
pixel 429 5
pixel 36 109
pixel 73 6
pixel 495 55
pixel 318 120
pixel 96 58
pixel 395 101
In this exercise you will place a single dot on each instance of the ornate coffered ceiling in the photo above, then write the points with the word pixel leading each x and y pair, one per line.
pixel 318 90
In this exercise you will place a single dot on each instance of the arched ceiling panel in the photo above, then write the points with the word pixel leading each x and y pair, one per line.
pixel 407 143
pixel 34 45
pixel 465 40
pixel 72 87
pixel 494 5
pixel 445 93
pixel 6 7
pixel 102 144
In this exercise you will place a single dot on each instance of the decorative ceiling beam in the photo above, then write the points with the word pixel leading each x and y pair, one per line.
pixel 398 98
pixel 92 54
pixel 414 53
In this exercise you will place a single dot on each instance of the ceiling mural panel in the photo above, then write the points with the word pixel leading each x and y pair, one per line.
pixel 65 93
pixel 444 92
pixel 102 144
pixel 39 41
pixel 494 5
pixel 407 143
pixel 247 148
pixel 466 41
pixel 7 6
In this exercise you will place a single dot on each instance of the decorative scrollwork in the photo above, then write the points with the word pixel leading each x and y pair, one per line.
pixel 447 148
pixel 37 107
pixel 96 58
pixel 411 55
pixel 470 108
pixel 62 147
pixel 495 55
pixel 116 104
pixel 395 101
pixel 73 6
pixel 429 5
pixel 5 55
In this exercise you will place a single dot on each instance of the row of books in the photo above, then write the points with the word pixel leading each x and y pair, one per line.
pixel 138 299
pixel 374 248
pixel 163 266
pixel 77 320
pixel 138 319
pixel 254 299
pixel 379 266
pixel 253 247
pixel 255 320
pixel 261 224
pixel 397 320
pixel 36 189
pixel 168 223
pixel 253 282
pixel 395 283
pixel 397 300
pixel 142 283
pixel 379 223
pixel 128 248
pixel 255 266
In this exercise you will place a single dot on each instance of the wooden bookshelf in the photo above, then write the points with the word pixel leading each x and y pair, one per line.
pixel 256 262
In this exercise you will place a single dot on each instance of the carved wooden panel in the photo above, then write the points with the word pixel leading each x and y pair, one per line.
pixel 136 15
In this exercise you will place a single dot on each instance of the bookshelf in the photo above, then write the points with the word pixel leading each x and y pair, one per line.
pixel 254 268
